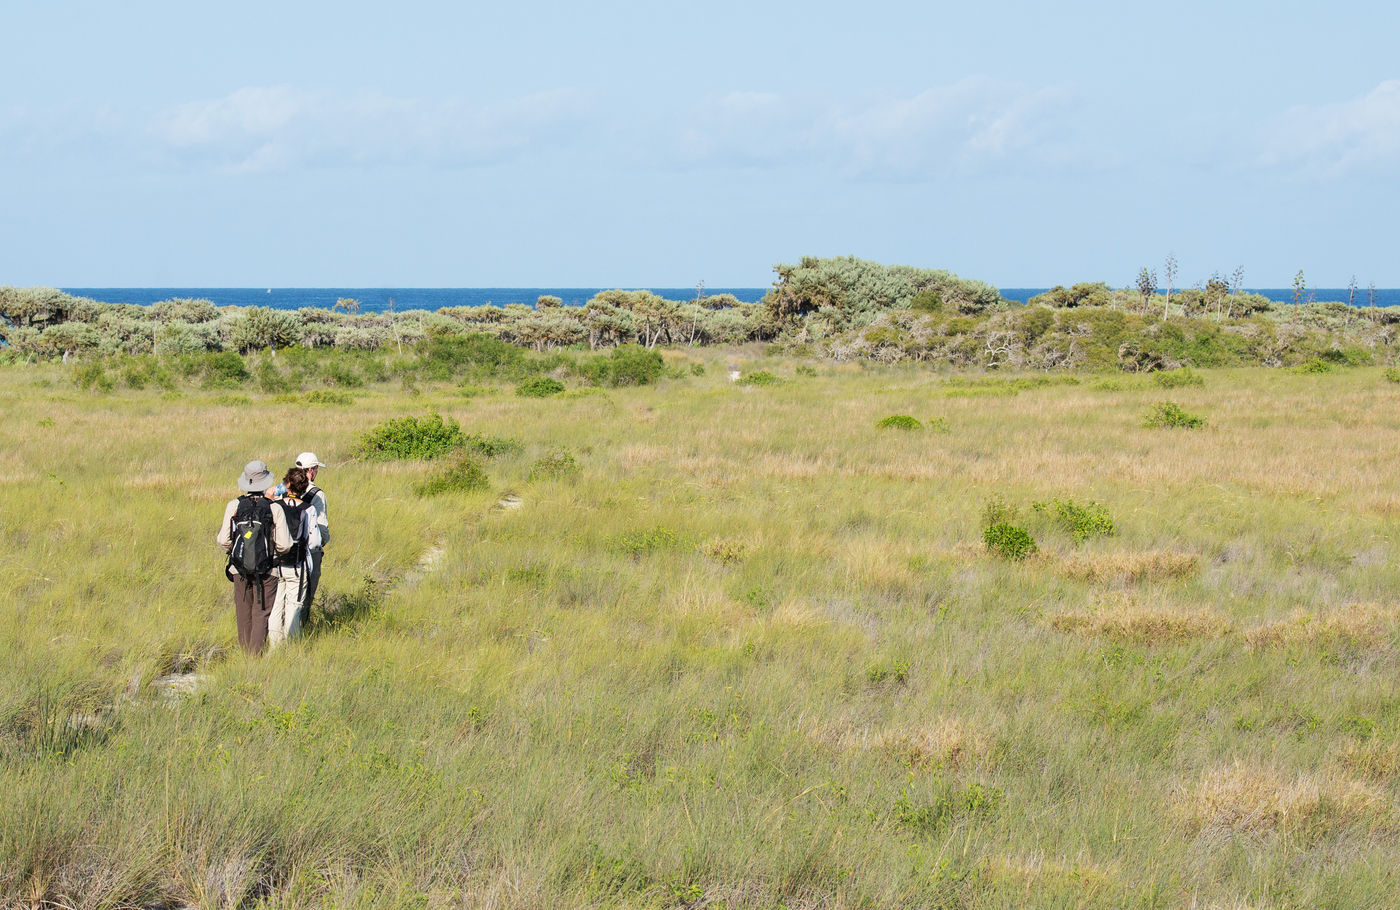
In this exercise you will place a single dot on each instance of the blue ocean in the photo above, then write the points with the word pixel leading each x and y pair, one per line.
pixel 374 300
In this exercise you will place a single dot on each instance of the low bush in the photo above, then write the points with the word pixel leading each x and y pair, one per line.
pixel 411 437
pixel 1169 415
pixel 556 464
pixel 539 387
pixel 639 543
pixel 461 476
pixel 1009 541
pixel 1176 379
pixel 342 374
pixel 326 396
pixel 1080 521
pixel 1392 374
pixel 998 511
pixel 92 377
pixel 491 446
pixel 222 370
pixel 899 422
pixel 761 377
pixel 1314 366
pixel 625 365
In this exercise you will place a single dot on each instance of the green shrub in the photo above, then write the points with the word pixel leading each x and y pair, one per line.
pixel 555 464
pixel 539 387
pixel 1009 541
pixel 1080 521
pixel 411 437
pixel 634 365
pixel 1392 374
pixel 1168 415
pixel 491 446
pixel 223 370
pixel 263 327
pixel 762 377
pixel 446 354
pixel 139 372
pixel 270 379
pixel 1176 379
pixel 998 511
pixel 93 377
pixel 326 396
pixel 639 543
pixel 697 369
pixel 624 365
pixel 1316 365
pixel 939 425
pixel 461 476
pixel 806 369
pixel 342 374
pixel 895 671
pixel 899 422
pixel 928 301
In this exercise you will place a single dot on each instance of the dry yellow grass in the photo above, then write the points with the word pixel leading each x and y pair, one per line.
pixel 1368 624
pixel 944 742
pixel 1037 873
pixel 1131 567
pixel 1245 800
pixel 1373 759
pixel 1149 623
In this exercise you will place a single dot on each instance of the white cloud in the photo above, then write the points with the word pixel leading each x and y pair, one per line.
pixel 274 128
pixel 965 127
pixel 1335 140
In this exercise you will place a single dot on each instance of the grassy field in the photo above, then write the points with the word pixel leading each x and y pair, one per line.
pixel 750 652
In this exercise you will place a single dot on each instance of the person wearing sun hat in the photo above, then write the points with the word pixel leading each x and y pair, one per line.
pixel 253 597
pixel 308 462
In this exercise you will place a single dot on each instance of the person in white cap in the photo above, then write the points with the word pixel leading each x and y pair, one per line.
pixel 308 462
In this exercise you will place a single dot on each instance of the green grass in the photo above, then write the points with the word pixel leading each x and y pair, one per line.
pixel 741 653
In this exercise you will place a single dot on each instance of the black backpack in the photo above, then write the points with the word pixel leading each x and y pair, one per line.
pixel 251 532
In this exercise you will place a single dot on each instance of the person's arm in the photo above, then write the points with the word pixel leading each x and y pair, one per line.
pixel 224 538
pixel 319 502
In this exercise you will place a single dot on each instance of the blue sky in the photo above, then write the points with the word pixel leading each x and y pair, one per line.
pixel 620 144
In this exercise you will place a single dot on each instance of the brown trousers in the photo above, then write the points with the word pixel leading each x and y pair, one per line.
pixel 252 604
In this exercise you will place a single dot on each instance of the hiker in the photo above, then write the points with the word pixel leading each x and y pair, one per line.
pixel 293 570
pixel 253 532
pixel 308 462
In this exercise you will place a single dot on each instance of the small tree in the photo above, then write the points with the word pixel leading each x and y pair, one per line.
pixel 1216 292
pixel 347 305
pixel 1146 285
pixel 1236 283
pixel 1169 269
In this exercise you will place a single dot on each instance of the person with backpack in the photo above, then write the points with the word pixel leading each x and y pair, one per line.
pixel 293 568
pixel 316 497
pixel 253 533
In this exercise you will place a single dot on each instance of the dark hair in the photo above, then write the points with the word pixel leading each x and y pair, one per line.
pixel 296 482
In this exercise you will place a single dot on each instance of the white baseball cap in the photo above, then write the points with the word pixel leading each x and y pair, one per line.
pixel 309 460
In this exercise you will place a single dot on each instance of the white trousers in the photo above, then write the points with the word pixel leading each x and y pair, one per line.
pixel 285 619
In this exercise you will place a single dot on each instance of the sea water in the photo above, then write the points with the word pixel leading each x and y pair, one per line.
pixel 375 300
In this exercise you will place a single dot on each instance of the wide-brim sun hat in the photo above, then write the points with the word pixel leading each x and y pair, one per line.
pixel 309 460
pixel 256 478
